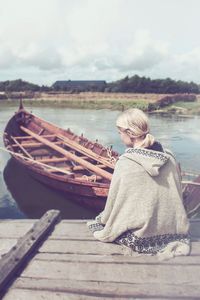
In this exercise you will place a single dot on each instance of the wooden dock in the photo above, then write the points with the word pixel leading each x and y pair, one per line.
pixel 70 264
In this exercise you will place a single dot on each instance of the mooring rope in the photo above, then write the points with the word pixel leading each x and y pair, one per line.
pixel 112 159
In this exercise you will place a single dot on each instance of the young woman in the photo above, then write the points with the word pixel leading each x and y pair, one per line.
pixel 144 209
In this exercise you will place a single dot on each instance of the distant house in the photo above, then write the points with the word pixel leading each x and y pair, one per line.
pixel 79 85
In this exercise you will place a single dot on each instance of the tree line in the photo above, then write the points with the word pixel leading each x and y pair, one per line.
pixel 20 85
pixel 137 84
pixel 134 84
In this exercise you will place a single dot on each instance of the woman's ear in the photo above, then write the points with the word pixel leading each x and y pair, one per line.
pixel 130 134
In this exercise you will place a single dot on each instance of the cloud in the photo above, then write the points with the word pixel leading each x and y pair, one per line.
pixel 143 53
pixel 31 55
pixel 96 39
pixel 181 66
pixel 87 38
pixel 189 62
pixel 7 58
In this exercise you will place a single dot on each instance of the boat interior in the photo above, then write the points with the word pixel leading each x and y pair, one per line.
pixel 58 151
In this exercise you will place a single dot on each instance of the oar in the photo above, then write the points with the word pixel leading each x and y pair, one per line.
pixel 21 147
pixel 69 155
pixel 85 151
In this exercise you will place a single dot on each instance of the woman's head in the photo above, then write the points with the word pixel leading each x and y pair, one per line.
pixel 133 125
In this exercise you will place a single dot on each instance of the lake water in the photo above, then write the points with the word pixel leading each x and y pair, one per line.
pixel 23 197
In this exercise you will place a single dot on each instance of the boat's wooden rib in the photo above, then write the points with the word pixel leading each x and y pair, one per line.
pixel 41 131
pixel 21 147
pixel 69 155
pixel 79 168
pixel 89 178
pixel 52 160
pixel 40 153
pixel 52 169
pixel 84 157
pixel 32 145
pixel 25 137
pixel 60 170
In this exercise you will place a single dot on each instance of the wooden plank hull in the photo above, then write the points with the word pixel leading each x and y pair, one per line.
pixel 58 175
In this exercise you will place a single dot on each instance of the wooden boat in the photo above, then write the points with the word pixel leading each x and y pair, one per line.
pixel 59 158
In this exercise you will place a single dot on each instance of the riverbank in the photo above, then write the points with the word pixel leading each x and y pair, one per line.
pixel 184 108
pixel 112 101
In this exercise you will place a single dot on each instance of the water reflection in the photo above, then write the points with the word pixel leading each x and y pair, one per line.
pixel 34 198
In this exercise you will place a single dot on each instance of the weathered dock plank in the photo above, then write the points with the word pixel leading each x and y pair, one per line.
pixel 124 272
pixel 14 230
pixel 92 247
pixel 117 259
pixel 16 257
pixel 6 245
pixel 70 229
pixel 10 231
pixel 109 289
pixel 81 247
pixel 17 221
pixel 23 294
pixel 72 265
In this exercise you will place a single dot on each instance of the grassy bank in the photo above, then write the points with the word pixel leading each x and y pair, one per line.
pixel 183 108
pixel 113 101
pixel 82 104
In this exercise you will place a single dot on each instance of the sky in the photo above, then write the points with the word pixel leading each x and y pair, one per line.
pixel 42 41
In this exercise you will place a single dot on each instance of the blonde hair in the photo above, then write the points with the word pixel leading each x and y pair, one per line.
pixel 136 121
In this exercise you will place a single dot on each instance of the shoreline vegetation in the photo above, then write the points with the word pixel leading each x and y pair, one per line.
pixel 150 95
pixel 183 104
